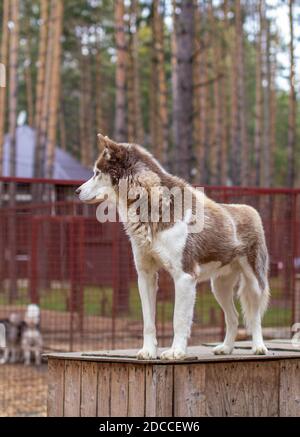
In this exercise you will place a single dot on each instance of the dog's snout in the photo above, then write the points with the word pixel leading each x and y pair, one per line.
pixel 78 191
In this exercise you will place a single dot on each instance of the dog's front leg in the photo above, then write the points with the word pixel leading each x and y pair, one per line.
pixel 148 283
pixel 185 291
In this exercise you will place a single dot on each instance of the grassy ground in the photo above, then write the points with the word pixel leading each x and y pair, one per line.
pixel 98 302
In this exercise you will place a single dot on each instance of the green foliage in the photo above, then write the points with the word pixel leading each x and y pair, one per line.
pixel 83 19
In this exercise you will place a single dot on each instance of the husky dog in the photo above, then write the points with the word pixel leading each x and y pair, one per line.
pixel 13 332
pixel 230 250
pixel 32 341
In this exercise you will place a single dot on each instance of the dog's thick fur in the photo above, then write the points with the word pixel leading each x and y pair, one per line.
pixel 230 250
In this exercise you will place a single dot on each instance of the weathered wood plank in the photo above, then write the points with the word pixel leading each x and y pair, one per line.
pixel 104 390
pixel 136 391
pixel 119 390
pixel 189 390
pixel 242 389
pixel 72 388
pixel 88 402
pixel 289 392
pixel 56 375
pixel 159 390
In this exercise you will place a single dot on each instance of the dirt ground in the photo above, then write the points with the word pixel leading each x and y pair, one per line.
pixel 23 390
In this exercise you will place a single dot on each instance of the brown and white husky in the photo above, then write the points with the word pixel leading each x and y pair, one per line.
pixel 229 249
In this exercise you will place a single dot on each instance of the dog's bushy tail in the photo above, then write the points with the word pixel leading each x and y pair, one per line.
pixel 254 291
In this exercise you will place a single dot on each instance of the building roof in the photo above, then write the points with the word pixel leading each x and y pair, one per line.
pixel 66 167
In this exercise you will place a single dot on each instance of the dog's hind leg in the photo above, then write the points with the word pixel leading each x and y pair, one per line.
pixel 185 291
pixel 222 288
pixel 254 301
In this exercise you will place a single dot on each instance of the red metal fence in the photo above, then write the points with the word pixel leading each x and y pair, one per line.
pixel 54 252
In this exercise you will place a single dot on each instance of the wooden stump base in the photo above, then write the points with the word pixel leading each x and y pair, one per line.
pixel 115 383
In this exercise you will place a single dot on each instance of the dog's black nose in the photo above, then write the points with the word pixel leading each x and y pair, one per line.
pixel 78 191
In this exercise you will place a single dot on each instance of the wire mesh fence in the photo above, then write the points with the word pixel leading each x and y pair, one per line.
pixel 80 272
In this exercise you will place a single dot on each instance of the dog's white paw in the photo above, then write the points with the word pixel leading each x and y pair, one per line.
pixel 260 350
pixel 147 354
pixel 173 354
pixel 223 349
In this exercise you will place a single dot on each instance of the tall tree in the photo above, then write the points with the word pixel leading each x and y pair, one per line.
pixel 203 85
pixel 3 60
pixel 273 113
pixel 99 83
pixel 120 131
pixel 135 119
pixel 291 145
pixel 13 81
pixel 55 88
pixel 218 137
pixel 28 67
pixel 184 114
pixel 258 98
pixel 239 141
pixel 41 63
pixel 44 92
pixel 174 79
pixel 13 100
pixel 86 128
pixel 266 149
pixel 160 136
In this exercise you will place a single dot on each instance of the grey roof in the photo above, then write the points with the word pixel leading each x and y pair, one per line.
pixel 65 166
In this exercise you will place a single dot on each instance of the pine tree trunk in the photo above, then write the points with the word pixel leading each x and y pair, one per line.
pixel 62 127
pixel 135 121
pixel 258 101
pixel 13 82
pixel 185 46
pixel 199 151
pixel 204 107
pixel 3 90
pixel 86 123
pixel 28 81
pixel 28 66
pixel 273 113
pixel 100 120
pixel 44 90
pixel 174 78
pixel 13 102
pixel 239 151
pixel 292 105
pixel 120 131
pixel 44 12
pixel 217 145
pixel 224 89
pixel 55 89
pixel 160 111
pixel 266 149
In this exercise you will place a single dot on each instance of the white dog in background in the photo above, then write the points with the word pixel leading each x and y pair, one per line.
pixel 32 341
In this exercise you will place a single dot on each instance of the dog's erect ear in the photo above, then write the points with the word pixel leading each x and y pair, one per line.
pixel 110 146
pixel 101 142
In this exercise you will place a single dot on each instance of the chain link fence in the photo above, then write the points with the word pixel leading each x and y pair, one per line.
pixel 80 272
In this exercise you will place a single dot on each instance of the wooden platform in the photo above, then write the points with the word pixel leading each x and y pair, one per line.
pixel 115 383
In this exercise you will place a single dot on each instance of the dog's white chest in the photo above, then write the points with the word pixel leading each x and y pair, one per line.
pixel 168 246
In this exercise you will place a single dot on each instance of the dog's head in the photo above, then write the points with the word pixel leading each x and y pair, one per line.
pixel 113 164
